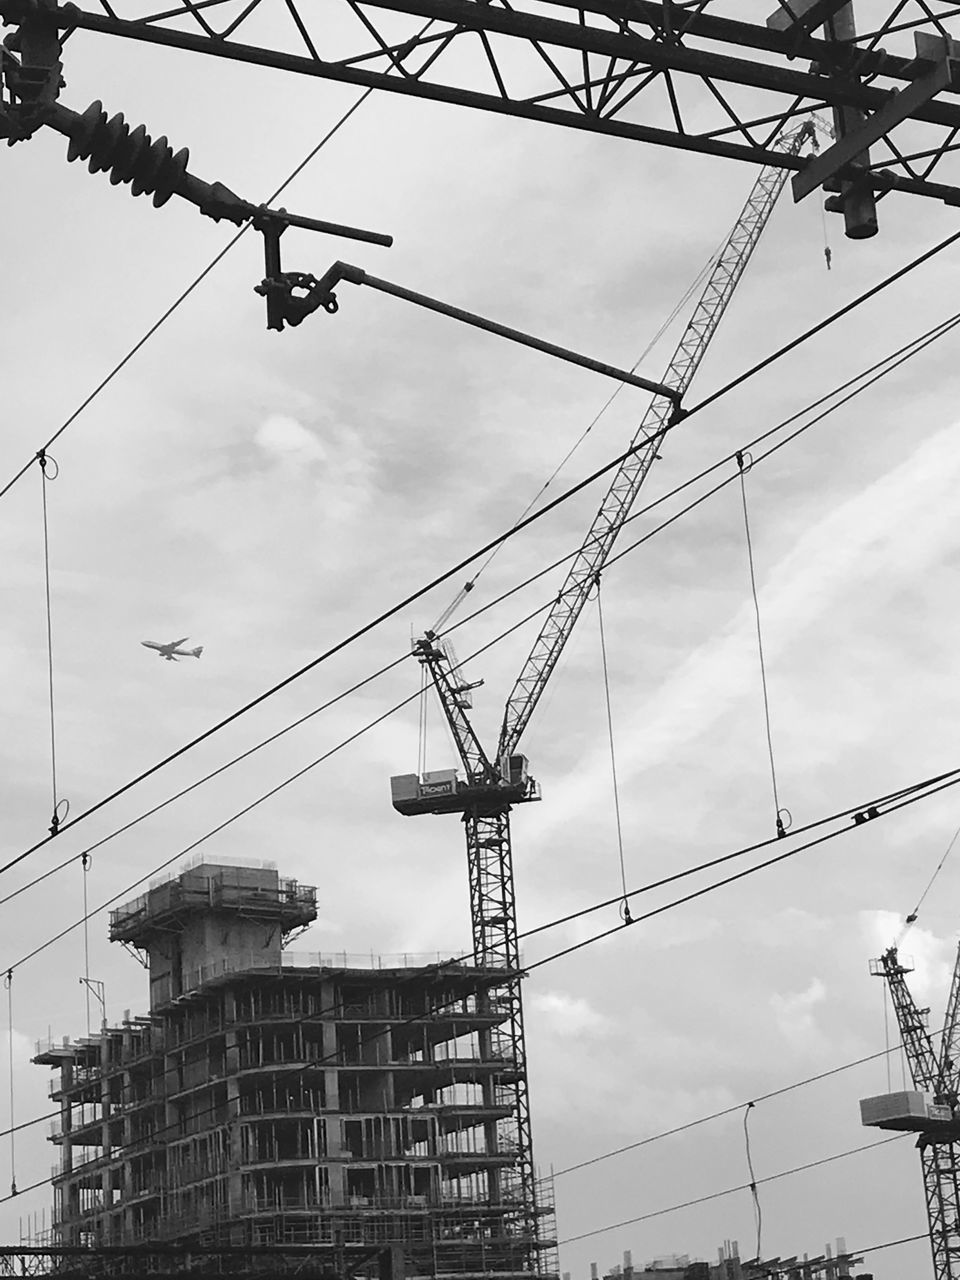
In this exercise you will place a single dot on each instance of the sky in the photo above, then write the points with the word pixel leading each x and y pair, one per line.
pixel 267 494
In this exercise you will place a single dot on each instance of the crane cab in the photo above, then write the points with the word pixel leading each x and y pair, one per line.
pixel 444 791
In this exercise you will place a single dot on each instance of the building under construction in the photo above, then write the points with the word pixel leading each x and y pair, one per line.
pixel 272 1099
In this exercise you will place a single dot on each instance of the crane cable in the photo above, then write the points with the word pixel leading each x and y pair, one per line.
pixel 911 917
pixel 468 586
pixel 625 904
pixel 783 817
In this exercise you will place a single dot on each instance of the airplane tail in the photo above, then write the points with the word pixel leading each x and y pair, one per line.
pixel 197 651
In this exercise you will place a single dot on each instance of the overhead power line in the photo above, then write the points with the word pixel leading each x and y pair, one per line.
pixel 729 1191
pixel 181 298
pixel 902 354
pixel 912 795
pixel 920 343
pixel 718 1115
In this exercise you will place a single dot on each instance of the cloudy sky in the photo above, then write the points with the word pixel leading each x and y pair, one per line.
pixel 266 494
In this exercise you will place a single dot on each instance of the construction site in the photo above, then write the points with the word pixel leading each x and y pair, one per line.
pixel 268 1111
pixel 267 1100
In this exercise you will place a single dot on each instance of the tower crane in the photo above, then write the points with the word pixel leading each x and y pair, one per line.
pixel 493 783
pixel 930 1110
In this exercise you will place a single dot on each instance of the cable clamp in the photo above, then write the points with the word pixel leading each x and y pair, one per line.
pixel 784 822
pixel 865 815
pixel 57 817
pixel 744 461
pixel 44 459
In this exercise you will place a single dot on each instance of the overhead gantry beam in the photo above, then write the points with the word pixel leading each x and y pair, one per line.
pixel 650 72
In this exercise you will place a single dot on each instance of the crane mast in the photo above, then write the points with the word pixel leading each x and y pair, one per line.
pixel 490 787
pixel 930 1111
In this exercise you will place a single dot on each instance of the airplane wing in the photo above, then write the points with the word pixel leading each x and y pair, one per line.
pixel 175 644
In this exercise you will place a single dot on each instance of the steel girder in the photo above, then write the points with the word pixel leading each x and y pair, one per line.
pixel 655 72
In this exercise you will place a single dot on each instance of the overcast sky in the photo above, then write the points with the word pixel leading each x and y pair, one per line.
pixel 267 493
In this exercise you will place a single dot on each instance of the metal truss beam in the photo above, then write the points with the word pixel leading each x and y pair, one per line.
pixel 592 65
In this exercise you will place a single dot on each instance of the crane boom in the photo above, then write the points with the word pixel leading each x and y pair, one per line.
pixel 494 784
pixel 921 1058
pixel 645 444
pixel 931 1114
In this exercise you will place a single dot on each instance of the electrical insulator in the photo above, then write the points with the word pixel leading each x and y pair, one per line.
pixel 130 156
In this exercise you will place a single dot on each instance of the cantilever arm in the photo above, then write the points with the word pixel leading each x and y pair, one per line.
pixel 322 292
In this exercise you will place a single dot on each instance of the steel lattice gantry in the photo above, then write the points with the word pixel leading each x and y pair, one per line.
pixel 492 786
pixel 937 1076
pixel 697 75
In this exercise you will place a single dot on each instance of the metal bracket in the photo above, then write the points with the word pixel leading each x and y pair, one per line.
pixel 900 107
pixel 320 293
pixel 30 68
pixel 800 17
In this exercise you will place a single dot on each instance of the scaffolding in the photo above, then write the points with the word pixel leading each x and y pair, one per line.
pixel 270 1103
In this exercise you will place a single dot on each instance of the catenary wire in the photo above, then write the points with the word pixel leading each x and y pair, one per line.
pixel 879 369
pixel 900 356
pixel 121 364
pixel 912 793
pixel 745 1186
pixel 913 797
pixel 749 871
pixel 821 325
pixel 467 587
pixel 458 568
pixel 718 1115
pixel 340 645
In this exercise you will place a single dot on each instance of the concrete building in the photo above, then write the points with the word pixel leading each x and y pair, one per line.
pixel 832 1264
pixel 272 1099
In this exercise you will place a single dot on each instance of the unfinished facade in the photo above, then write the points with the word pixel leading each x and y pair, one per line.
pixel 265 1102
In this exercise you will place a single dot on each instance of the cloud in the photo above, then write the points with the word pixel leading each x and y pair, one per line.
pixel 929 957
pixel 795 1018
pixel 287 440
pixel 565 1015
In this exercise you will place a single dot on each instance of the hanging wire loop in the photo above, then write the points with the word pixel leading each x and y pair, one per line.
pixel 50 470
pixel 753 1177
pixel 8 983
pixel 625 915
pixel 744 463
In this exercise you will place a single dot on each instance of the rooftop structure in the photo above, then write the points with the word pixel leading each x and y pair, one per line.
pixel 831 1264
pixel 270 1102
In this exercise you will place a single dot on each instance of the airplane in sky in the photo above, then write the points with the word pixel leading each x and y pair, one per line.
pixel 172 651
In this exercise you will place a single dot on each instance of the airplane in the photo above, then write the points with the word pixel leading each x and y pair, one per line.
pixel 172 651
